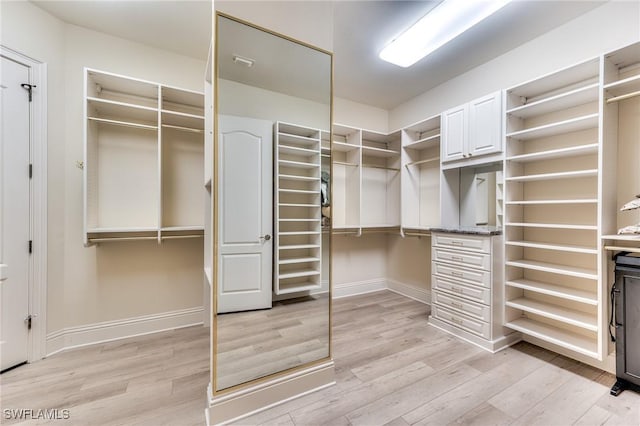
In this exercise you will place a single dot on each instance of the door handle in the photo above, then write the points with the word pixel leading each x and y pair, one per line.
pixel 265 237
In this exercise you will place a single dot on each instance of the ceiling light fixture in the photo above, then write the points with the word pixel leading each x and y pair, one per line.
pixel 442 24
pixel 248 62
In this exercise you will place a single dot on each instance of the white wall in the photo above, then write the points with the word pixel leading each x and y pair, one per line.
pixel 605 28
pixel 267 105
pixel 110 281
pixel 360 115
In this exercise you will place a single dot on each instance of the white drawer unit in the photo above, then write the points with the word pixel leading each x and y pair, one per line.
pixel 467 288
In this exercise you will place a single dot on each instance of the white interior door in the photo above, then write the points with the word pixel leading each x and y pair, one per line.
pixel 15 213
pixel 245 213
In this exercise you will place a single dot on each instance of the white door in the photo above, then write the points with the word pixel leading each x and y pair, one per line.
pixel 245 213
pixel 454 134
pixel 15 213
pixel 485 125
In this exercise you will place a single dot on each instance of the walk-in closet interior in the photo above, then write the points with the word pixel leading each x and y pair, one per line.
pixel 245 171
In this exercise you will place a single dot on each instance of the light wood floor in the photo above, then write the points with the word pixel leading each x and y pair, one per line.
pixel 250 343
pixel 392 368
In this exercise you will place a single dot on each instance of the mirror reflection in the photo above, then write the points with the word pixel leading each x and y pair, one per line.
pixel 481 201
pixel 273 132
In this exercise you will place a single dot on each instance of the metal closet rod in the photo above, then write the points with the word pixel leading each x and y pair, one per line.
pixel 623 97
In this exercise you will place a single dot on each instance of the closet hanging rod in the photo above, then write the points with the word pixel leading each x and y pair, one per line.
pixel 342 163
pixel 417 234
pixel 186 129
pixel 620 248
pixel 123 123
pixel 623 97
pixel 427 160
pixel 373 166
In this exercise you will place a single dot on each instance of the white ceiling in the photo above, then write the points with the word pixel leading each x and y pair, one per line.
pixel 361 29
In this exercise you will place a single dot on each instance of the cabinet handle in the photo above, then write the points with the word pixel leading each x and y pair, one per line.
pixel 457 258
pixel 457 243
pixel 457 290
pixel 457 321
pixel 457 305
pixel 456 274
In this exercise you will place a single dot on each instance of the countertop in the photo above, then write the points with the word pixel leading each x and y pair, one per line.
pixel 470 230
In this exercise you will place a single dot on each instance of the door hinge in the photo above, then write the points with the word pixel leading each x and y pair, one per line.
pixel 30 246
pixel 29 88
pixel 30 171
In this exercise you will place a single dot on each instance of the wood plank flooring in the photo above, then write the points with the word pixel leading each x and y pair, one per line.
pixel 392 369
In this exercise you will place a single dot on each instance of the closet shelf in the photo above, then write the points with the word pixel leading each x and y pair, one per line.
pixel 298 274
pixel 375 166
pixel 287 288
pixel 304 152
pixel 295 233
pixel 182 228
pixel 553 226
pixel 550 176
pixel 624 86
pixel 298 246
pixel 298 164
pixel 124 123
pixel 618 237
pixel 300 191
pixel 297 139
pixel 558 336
pixel 299 220
pixel 543 202
pixel 424 142
pixel 344 147
pixel 557 247
pixel 556 312
pixel 121 111
pixel 560 127
pixel 298 205
pixel 378 152
pixel 123 229
pixel 568 293
pixel 571 98
pixel 182 128
pixel 555 153
pixel 298 260
pixel 297 178
pixel 570 271
pixel 343 163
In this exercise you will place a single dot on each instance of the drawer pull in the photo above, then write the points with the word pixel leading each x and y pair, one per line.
pixel 457 274
pixel 457 258
pixel 457 305
pixel 457 243
pixel 457 290
pixel 457 321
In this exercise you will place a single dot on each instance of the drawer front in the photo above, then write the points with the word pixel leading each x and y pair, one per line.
pixel 461 321
pixel 475 310
pixel 477 277
pixel 463 242
pixel 476 294
pixel 464 259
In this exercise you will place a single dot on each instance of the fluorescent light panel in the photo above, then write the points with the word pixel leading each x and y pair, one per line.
pixel 442 24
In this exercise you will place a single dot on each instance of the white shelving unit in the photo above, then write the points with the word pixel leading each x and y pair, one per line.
pixel 420 175
pixel 553 203
pixel 297 215
pixel 346 155
pixel 380 171
pixel 143 164
pixel 499 199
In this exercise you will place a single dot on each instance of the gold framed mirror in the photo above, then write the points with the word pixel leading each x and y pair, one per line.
pixel 272 159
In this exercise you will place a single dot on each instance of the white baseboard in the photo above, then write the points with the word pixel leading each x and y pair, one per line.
pixel 420 294
pixel 358 287
pixel 74 337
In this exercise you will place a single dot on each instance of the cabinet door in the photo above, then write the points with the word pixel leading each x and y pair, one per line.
pixel 485 125
pixel 454 134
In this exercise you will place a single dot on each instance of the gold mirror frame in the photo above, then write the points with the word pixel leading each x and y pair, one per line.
pixel 215 252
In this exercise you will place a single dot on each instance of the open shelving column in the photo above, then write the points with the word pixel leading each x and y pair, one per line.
pixel 346 155
pixel 380 205
pixel 143 163
pixel 298 229
pixel 552 209
pixel 420 173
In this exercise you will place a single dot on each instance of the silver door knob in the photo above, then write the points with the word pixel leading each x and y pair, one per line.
pixel 266 237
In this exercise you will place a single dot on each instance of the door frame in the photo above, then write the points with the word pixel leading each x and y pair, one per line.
pixel 38 200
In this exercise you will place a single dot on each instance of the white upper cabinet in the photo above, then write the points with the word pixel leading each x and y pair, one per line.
pixel 455 133
pixel 471 130
pixel 484 125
